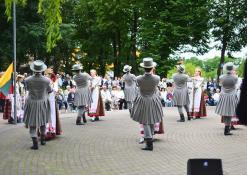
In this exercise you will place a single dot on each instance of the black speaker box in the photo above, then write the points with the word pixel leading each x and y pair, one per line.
pixel 204 167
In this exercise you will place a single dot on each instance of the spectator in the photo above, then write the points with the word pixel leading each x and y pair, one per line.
pixel 119 95
pixel 106 97
pixel 70 99
pixel 216 96
pixel 169 98
pixel 67 81
pixel 61 100
pixel 115 82
pixel 163 95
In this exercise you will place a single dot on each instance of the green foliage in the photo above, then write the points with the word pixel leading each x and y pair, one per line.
pixel 240 69
pixel 166 26
pixel 53 20
pixel 50 9
pixel 8 5
pixel 208 66
pixel 227 23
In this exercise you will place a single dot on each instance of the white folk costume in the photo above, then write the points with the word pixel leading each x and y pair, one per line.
pixel 83 96
pixel 228 97
pixel 197 107
pixel 130 89
pixel 180 92
pixel 20 100
pixel 96 108
pixel 235 119
pixel 147 108
pixel 37 111
pixel 53 128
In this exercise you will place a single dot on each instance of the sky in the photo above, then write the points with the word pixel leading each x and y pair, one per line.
pixel 212 53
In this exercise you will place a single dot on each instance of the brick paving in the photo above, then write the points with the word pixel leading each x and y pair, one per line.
pixel 110 147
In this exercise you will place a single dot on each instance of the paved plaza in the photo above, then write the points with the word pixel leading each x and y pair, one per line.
pixel 110 147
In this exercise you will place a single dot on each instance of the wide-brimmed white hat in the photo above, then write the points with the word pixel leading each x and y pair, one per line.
pixel 148 63
pixel 77 67
pixel 38 66
pixel 228 67
pixel 127 68
pixel 180 68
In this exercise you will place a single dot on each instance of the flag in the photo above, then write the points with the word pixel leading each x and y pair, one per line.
pixel 6 80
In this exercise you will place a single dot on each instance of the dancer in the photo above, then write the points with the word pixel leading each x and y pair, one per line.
pixel 228 97
pixel 82 94
pixel 197 107
pixel 130 90
pixel 96 108
pixel 180 93
pixel 147 108
pixel 53 128
pixel 242 105
pixel 37 107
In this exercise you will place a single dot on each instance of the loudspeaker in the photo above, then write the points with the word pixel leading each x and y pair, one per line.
pixel 204 167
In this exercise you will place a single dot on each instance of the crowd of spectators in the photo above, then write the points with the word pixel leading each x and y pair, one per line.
pixel 113 95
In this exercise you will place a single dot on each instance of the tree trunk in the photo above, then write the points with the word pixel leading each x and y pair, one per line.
pixel 133 41
pixel 101 62
pixel 222 59
pixel 224 41
pixel 115 55
pixel 117 52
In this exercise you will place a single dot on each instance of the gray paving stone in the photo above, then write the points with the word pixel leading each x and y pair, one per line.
pixel 110 147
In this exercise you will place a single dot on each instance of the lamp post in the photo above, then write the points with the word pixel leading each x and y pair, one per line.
pixel 14 45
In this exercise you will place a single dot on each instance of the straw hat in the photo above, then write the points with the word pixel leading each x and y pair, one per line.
pixel 228 67
pixel 148 63
pixel 76 67
pixel 127 68
pixel 38 66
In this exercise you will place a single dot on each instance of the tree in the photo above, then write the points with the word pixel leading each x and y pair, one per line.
pixel 229 27
pixel 52 15
pixel 166 26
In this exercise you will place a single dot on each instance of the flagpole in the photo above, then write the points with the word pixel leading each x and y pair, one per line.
pixel 14 45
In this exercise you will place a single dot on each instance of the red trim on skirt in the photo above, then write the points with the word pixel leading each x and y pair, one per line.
pixel 202 112
pixel 100 109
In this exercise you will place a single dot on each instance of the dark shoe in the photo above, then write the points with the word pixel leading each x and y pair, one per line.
pixel 84 118
pixel 78 121
pixel 96 118
pixel 189 118
pixel 149 145
pixel 42 140
pixel 181 118
pixel 35 143
pixel 227 131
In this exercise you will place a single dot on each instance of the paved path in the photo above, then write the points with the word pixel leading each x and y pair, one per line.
pixel 110 147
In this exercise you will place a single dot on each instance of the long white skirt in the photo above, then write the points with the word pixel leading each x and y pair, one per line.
pixel 51 126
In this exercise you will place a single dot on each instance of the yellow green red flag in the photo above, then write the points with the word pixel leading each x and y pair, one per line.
pixel 6 80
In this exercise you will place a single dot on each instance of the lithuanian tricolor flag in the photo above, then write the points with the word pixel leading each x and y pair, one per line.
pixel 6 80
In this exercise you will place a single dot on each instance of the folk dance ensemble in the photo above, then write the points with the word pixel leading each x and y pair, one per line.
pixel 83 96
pixel 228 97
pixel 197 107
pixel 130 89
pixel 37 111
pixel 147 107
pixel 180 93
pixel 96 108
pixel 241 110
